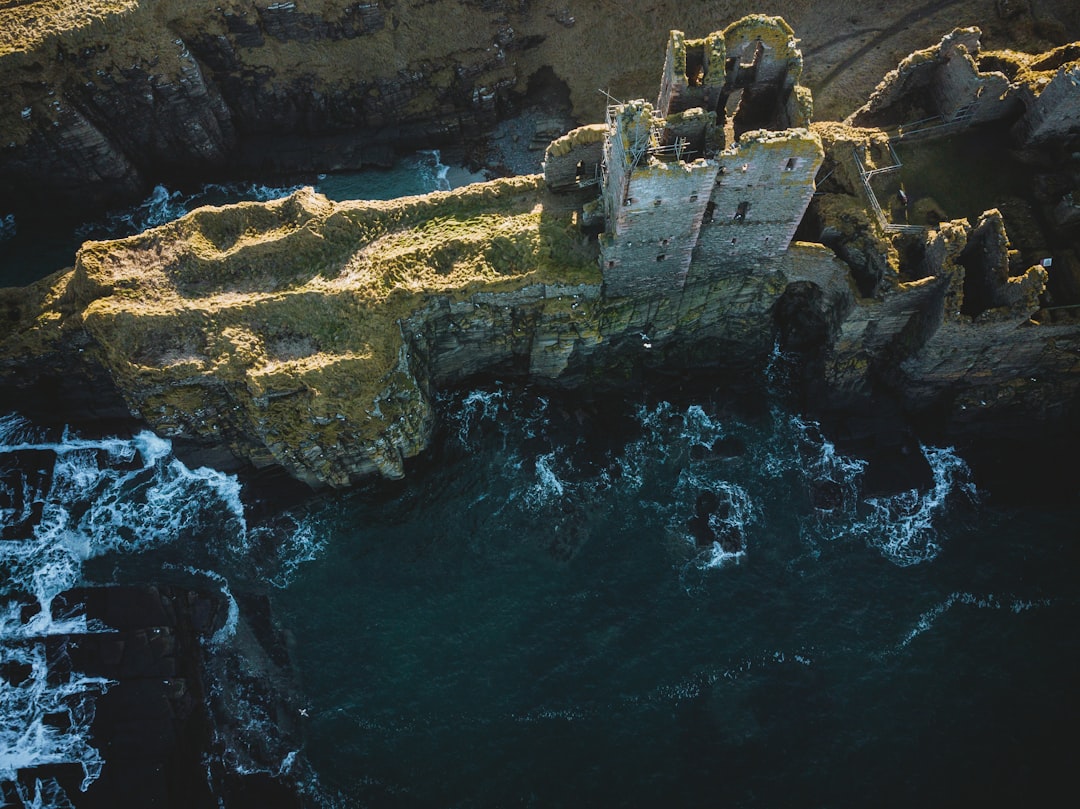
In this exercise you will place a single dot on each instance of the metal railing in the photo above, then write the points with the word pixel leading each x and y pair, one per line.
pixel 864 178
pixel 934 125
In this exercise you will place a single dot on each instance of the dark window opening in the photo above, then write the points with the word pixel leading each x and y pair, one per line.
pixel 733 240
pixel 660 257
pixel 759 50
pixel 740 214
pixel 693 197
pixel 710 211
pixel 657 203
pixel 665 242
pixel 611 264
pixel 791 164
pixel 695 65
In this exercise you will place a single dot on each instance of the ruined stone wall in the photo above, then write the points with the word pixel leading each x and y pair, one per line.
pixel 1055 113
pixel 628 128
pixel 761 51
pixel 764 186
pixel 662 202
pixel 798 108
pixel 915 78
pixel 959 90
pixel 575 157
pixel 693 73
pixel 691 130
pixel 651 239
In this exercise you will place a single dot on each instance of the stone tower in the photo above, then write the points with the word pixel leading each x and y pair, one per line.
pixel 686 183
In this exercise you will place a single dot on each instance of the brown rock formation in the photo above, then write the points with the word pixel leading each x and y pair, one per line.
pixel 311 334
pixel 104 98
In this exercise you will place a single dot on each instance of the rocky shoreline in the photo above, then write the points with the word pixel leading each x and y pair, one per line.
pixel 112 97
pixel 312 338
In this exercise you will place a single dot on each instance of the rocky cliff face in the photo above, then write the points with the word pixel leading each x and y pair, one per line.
pixel 105 98
pixel 313 335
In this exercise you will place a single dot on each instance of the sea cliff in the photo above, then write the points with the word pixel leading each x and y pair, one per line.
pixel 314 335
pixel 104 99
pixel 709 232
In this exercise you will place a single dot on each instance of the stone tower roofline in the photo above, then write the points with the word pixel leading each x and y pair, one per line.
pixel 704 72
pixel 693 73
pixel 778 42
pixel 682 184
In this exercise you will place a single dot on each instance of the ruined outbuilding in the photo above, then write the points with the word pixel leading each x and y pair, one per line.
pixel 955 85
pixel 718 173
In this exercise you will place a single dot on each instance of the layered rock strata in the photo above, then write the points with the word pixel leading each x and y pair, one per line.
pixel 105 98
pixel 313 334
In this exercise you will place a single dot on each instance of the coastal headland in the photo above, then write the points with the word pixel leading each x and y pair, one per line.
pixel 699 232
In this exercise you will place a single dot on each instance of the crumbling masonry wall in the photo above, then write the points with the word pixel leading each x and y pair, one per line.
pixel 672 199
pixel 761 50
pixel 1055 113
pixel 961 91
pixel 574 159
pixel 764 184
pixel 653 207
pixel 693 73
pixel 947 75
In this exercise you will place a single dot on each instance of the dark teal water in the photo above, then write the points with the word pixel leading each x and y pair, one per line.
pixel 643 602
pixel 528 622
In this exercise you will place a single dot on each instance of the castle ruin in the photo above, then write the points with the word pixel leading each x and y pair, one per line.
pixel 717 174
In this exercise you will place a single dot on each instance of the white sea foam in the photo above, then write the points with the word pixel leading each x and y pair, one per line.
pixel 778 369
pixel 696 686
pixel 820 465
pixel 476 407
pixel 698 428
pixel 305 543
pixel 433 169
pixel 43 794
pixel 100 496
pixel 988 601
pixel 227 630
pixel 548 486
pixel 669 436
pixel 729 521
pixel 7 227
pixel 902 526
pixel 27 738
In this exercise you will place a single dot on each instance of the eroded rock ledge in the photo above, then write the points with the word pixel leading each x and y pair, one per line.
pixel 105 98
pixel 313 335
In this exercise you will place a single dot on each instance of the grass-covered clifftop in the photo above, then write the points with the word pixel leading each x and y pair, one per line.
pixel 280 321
pixel 104 99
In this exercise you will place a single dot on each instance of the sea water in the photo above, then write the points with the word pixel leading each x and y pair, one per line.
pixel 531 621
pixel 31 252
pixel 531 618
pixel 659 600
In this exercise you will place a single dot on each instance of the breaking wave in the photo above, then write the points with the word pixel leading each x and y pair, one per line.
pixel 903 526
pixel 64 501
pixel 989 601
